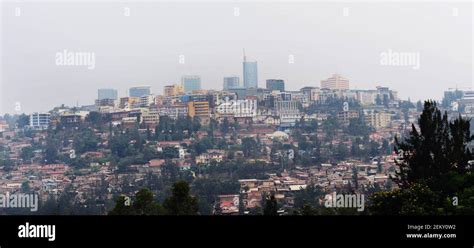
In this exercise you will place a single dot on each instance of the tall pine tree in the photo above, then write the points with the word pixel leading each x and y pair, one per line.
pixel 433 151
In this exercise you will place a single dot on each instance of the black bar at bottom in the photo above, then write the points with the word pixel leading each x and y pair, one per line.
pixel 238 231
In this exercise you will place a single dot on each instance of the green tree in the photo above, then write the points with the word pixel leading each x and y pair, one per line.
pixel 170 171
pixel 379 166
pixel 181 202
pixel 196 124
pixel 355 177
pixel 225 126
pixel 7 163
pixel 308 210
pixel 433 168
pixel 249 147
pixel 439 147
pixel 143 204
pixel 52 148
pixel 25 187
pixel 26 153
pixel 203 144
pixel 271 206
pixel 417 199
pixel 386 147
pixel 342 152
pixel 23 120
pixel 241 204
pixel 121 207
pixel 308 196
pixel 95 118
pixel 358 127
pixel 85 141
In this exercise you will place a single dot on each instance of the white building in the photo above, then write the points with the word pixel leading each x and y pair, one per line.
pixel 40 120
pixel 238 108
pixel 366 97
pixel 151 117
pixel 146 101
pixel 288 111
pixel 377 119
pixel 336 82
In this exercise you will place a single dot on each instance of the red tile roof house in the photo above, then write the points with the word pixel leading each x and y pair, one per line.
pixel 182 164
pixel 253 199
pixel 92 154
pixel 54 169
pixel 229 204
pixel 155 165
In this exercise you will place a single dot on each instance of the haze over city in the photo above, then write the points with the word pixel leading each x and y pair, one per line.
pixel 120 113
pixel 145 47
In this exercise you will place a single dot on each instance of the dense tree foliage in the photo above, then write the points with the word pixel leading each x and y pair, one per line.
pixel 143 204
pixel 270 206
pixel 181 202
pixel 434 175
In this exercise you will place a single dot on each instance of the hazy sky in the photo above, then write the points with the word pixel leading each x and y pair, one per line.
pixel 144 48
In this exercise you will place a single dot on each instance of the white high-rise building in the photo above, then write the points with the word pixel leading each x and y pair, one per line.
pixel 40 120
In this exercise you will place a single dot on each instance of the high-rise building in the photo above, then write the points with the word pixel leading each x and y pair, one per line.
pixel 377 119
pixel 173 90
pixel 105 102
pixel 336 82
pixel 240 92
pixel 191 83
pixel 146 101
pixel 468 101
pixel 344 117
pixel 139 91
pixel 288 111
pixel 39 120
pixel 366 97
pixel 107 94
pixel 276 84
pixel 231 82
pixel 129 102
pixel 451 96
pixel 174 111
pixel 199 109
pixel 250 73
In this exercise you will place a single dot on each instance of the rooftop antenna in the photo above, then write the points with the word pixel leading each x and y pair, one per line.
pixel 245 58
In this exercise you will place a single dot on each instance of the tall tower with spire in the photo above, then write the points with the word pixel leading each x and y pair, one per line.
pixel 250 73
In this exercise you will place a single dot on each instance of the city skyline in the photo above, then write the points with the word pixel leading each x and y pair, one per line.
pixel 308 52
pixel 321 111
pixel 158 91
